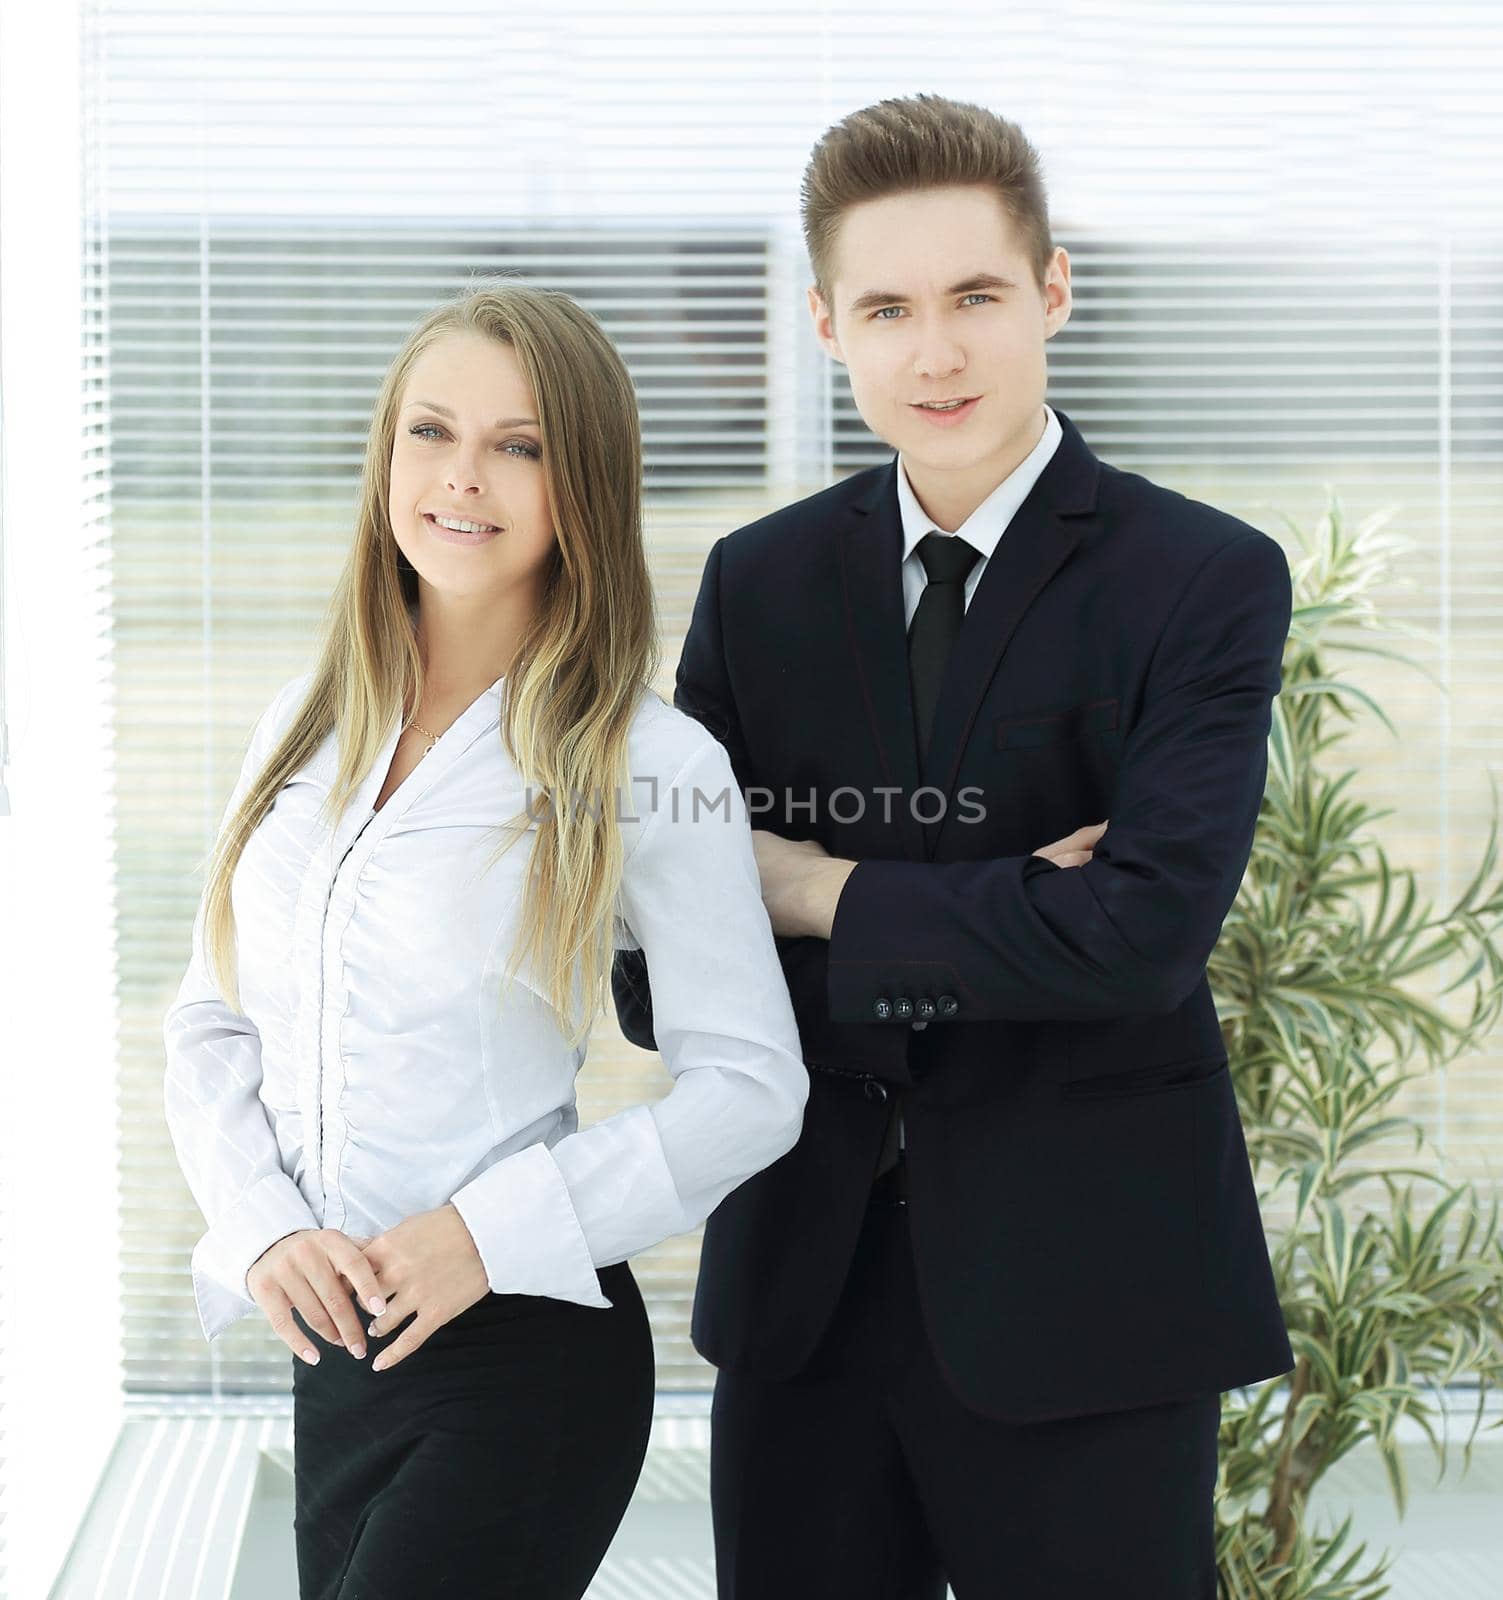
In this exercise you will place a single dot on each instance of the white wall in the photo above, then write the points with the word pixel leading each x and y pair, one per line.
pixel 59 1371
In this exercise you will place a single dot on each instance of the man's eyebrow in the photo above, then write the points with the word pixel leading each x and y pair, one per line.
pixel 871 299
pixel 444 411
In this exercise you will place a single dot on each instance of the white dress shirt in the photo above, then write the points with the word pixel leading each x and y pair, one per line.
pixel 379 1070
pixel 983 530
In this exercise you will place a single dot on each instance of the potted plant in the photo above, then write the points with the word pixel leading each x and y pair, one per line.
pixel 1328 980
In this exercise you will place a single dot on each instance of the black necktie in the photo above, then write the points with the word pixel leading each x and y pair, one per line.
pixel 931 636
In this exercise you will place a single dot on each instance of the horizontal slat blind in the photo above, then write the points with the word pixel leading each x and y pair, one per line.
pixel 1284 225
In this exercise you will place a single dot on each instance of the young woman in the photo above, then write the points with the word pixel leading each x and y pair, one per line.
pixel 371 1058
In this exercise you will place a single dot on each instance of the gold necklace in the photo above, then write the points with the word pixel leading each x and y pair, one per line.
pixel 412 722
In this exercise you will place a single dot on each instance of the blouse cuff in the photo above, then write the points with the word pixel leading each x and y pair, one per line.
pixel 522 1221
pixel 269 1210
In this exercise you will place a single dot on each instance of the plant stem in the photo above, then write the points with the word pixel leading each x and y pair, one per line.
pixel 1294 1472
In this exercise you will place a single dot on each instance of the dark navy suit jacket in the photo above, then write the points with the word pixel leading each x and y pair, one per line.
pixel 1085 1227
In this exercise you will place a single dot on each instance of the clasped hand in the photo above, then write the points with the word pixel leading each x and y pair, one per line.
pixel 425 1267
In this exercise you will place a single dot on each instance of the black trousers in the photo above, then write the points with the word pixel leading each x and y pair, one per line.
pixel 496 1459
pixel 864 1478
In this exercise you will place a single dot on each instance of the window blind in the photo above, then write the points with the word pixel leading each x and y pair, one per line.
pixel 1285 235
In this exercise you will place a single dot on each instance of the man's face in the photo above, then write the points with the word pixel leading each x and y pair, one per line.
pixel 934 300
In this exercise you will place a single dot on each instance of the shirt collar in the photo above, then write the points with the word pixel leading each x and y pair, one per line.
pixel 987 523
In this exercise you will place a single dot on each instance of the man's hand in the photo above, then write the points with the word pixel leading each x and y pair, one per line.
pixel 428 1268
pixel 801 883
pixel 1075 849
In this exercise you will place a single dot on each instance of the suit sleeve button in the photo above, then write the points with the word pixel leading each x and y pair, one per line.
pixel 882 1008
pixel 924 1007
pixel 902 1007
pixel 948 1005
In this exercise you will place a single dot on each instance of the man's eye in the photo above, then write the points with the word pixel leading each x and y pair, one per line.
pixel 880 315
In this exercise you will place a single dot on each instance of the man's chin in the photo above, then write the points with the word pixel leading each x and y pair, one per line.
pixel 958 455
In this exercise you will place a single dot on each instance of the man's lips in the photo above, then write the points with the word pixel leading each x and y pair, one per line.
pixel 955 414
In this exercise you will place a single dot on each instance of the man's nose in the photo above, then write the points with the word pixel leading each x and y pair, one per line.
pixel 938 358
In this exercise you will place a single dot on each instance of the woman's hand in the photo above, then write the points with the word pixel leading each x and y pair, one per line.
pixel 429 1269
pixel 801 883
pixel 304 1270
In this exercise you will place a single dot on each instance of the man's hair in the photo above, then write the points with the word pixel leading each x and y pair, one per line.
pixel 922 141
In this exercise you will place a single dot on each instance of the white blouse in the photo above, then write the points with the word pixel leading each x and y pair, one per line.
pixel 379 1070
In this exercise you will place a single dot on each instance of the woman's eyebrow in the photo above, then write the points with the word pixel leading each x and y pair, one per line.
pixel 444 411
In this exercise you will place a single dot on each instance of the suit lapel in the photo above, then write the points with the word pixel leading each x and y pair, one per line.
pixel 871 555
pixel 1036 544
pixel 1032 550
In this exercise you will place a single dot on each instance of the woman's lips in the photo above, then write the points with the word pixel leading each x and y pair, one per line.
pixel 949 419
pixel 453 535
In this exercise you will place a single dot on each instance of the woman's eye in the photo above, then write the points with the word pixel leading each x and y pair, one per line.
pixel 523 447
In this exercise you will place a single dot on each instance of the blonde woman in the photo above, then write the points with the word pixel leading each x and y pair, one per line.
pixel 371 1058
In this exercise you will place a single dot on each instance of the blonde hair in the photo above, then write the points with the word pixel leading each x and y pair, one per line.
pixel 922 141
pixel 570 693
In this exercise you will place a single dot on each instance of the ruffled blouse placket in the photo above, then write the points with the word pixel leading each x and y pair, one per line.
pixel 325 904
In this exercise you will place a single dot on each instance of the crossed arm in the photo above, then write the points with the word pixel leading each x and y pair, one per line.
pixel 1127 934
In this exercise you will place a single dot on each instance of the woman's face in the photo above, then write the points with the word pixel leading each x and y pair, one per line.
pixel 467 449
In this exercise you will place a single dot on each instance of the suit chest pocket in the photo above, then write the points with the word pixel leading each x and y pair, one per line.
pixel 1091 717
pixel 1047 773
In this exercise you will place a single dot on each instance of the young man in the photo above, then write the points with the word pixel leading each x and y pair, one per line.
pixel 974 1327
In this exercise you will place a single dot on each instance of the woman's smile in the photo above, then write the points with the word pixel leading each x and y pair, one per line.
pixel 455 530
